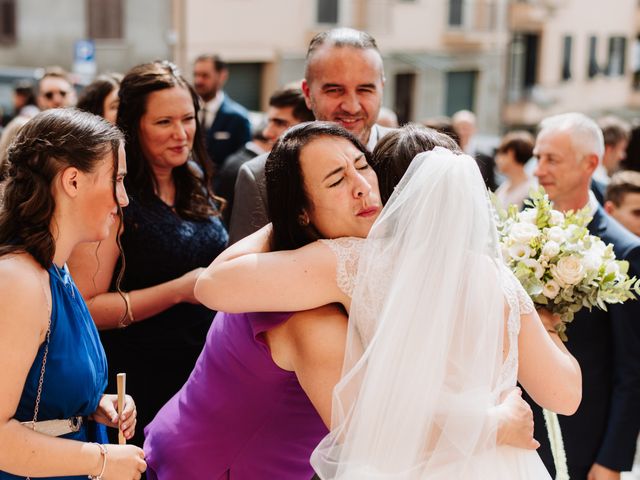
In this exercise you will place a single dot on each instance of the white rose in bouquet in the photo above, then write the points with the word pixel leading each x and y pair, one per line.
pixel 556 234
pixel 591 261
pixel 529 215
pixel 524 232
pixel 568 270
pixel 550 249
pixel 556 218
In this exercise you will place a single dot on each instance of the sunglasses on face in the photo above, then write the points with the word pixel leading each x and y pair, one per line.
pixel 49 95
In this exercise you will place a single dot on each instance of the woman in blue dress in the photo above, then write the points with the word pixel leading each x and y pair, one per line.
pixel 171 230
pixel 64 187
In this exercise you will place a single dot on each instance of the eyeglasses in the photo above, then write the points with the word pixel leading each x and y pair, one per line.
pixel 49 95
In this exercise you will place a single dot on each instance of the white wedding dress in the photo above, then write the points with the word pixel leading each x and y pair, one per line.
pixel 433 338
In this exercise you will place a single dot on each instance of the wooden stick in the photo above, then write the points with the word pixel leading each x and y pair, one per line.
pixel 122 385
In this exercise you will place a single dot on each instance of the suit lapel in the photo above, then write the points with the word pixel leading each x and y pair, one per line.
pixel 598 224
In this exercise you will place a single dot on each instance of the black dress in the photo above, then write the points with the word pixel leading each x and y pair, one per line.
pixel 159 353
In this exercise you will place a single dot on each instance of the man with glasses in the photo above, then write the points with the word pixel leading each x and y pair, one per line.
pixel 55 90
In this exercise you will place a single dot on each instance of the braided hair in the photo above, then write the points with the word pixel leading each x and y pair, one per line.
pixel 50 142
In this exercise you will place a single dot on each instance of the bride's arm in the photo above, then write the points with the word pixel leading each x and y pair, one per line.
pixel 246 277
pixel 547 370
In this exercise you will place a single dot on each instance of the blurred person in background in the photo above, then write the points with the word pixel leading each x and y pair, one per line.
pixel 226 123
pixel 464 124
pixel 171 229
pixel 55 90
pixel 444 125
pixel 387 118
pixel 616 134
pixel 24 98
pixel 287 107
pixel 622 199
pixel 100 97
pixel 514 151
pixel 632 158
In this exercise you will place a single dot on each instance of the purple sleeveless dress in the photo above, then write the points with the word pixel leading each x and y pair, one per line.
pixel 239 415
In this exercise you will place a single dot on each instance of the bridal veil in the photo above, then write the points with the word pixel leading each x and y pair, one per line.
pixel 426 337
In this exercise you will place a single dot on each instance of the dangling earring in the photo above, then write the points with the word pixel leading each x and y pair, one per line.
pixel 303 219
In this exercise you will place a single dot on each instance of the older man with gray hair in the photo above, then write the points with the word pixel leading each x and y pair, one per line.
pixel 600 438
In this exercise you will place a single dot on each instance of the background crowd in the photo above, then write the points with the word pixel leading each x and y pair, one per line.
pixel 195 184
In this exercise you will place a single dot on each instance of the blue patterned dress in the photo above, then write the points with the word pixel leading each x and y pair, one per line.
pixel 76 370
pixel 159 353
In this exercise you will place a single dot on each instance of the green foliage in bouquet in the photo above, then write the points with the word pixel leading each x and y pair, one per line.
pixel 561 266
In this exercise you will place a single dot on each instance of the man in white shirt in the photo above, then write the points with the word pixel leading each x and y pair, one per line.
pixel 600 438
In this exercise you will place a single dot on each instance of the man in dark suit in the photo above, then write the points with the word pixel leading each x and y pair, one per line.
pixel 226 123
pixel 287 108
pixel 600 438
pixel 343 83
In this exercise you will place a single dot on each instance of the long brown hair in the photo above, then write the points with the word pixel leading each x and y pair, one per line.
pixel 194 196
pixel 50 142
pixel 285 183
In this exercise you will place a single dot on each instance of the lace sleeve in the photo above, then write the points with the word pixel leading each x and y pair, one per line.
pixel 347 251
pixel 525 304
pixel 524 300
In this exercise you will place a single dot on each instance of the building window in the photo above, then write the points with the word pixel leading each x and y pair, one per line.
pixel 327 11
pixel 105 19
pixel 404 93
pixel 7 21
pixel 617 52
pixel 455 13
pixel 593 68
pixel 461 91
pixel 523 65
pixel 566 57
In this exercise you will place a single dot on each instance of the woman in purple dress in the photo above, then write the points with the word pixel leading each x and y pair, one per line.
pixel 259 398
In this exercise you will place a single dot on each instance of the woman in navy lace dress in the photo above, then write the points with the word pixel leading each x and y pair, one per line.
pixel 171 230
pixel 64 186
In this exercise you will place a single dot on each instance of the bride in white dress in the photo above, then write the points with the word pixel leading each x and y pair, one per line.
pixel 439 331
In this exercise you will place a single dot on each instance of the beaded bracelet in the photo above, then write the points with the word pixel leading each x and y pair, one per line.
pixel 103 454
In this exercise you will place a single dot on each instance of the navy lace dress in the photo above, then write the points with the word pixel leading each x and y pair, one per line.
pixel 159 353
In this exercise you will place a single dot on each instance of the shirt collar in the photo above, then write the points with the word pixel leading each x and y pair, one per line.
pixel 373 138
pixel 213 105
pixel 593 204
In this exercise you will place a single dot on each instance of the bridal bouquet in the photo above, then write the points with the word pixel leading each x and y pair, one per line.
pixel 561 266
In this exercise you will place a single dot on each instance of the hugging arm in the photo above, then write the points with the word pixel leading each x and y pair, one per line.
pixel 92 266
pixel 246 277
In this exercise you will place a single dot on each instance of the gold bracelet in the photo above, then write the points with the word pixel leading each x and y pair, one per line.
pixel 103 454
